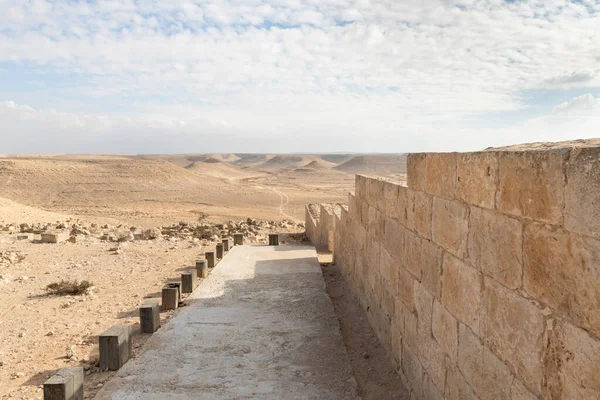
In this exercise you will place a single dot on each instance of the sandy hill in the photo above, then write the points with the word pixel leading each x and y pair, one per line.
pixel 336 158
pixel 252 159
pixel 286 162
pixel 176 159
pixel 222 157
pixel 317 165
pixel 375 164
pixel 144 192
pixel 218 169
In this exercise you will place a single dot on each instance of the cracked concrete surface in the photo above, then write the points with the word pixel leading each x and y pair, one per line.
pixel 261 327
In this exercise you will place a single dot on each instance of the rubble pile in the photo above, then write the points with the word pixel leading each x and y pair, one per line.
pixel 10 257
pixel 256 231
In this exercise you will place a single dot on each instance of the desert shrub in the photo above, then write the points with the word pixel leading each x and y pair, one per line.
pixel 64 288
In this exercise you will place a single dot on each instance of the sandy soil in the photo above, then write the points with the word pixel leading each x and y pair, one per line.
pixel 373 369
pixel 39 333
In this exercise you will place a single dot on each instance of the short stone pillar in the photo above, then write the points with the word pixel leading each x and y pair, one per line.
pixel 149 316
pixel 210 258
pixel 171 294
pixel 65 384
pixel 238 239
pixel 202 269
pixel 220 250
pixel 273 239
pixel 115 347
pixel 226 245
pixel 189 280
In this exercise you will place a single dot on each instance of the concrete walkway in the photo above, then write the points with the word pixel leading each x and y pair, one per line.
pixel 260 327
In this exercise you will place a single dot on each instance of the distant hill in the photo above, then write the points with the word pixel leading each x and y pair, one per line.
pixel 375 164
pixel 286 162
pixel 337 158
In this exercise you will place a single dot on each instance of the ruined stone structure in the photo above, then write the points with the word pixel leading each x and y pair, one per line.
pixel 482 275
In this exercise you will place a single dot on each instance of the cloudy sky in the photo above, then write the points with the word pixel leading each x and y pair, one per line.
pixel 159 76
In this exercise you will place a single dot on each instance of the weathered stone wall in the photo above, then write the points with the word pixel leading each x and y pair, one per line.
pixel 482 277
pixel 321 224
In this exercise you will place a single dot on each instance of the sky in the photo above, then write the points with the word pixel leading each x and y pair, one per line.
pixel 392 76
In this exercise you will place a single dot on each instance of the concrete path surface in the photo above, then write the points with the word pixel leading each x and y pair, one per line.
pixel 260 327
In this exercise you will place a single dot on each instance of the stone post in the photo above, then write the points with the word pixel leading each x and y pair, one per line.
pixel 170 296
pixel 219 250
pixel 189 280
pixel 226 245
pixel 65 384
pixel 149 316
pixel 273 239
pixel 210 258
pixel 238 239
pixel 115 347
pixel 202 269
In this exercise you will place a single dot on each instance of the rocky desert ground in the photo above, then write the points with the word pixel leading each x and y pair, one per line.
pixel 131 223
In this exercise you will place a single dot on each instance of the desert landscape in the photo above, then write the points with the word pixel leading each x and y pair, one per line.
pixel 128 224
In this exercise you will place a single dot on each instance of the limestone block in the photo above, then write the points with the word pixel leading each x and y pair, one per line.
pixel 412 253
pixel 430 391
pixel 562 269
pixel 406 209
pixel 210 258
pixel 432 359
pixel 54 237
pixel 189 281
pixel 225 245
pixel 394 237
pixel 219 249
pixel 388 303
pixel 396 346
pixel 579 363
pixel 450 226
pixel 477 178
pixel 273 240
pixel 583 192
pixel 115 347
pixel 238 239
pixel 412 368
pixel 519 391
pixel 461 291
pixel 457 387
pixel 422 214
pixel 445 330
pixel 389 269
pixel 489 377
pixel 375 193
pixel 431 267
pixel 416 168
pixel 440 179
pixel 532 184
pixel 360 187
pixel 364 214
pixel 390 194
pixel 65 384
pixel 376 225
pixel 406 288
pixel 202 269
pixel 353 205
pixel 411 330
pixel 513 328
pixel 149 316
pixel 495 246
pixel 170 296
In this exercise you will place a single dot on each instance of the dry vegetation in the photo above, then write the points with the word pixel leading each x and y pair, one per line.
pixel 135 222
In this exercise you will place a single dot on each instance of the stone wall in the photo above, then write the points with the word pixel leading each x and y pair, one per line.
pixel 482 276
pixel 321 224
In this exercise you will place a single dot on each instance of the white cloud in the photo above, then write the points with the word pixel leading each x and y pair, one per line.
pixel 410 70
pixel 585 104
